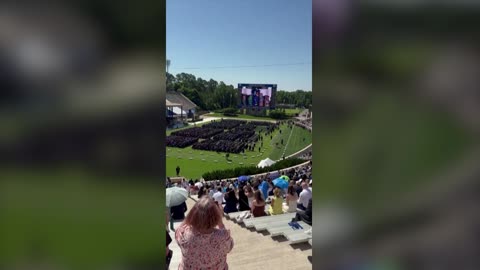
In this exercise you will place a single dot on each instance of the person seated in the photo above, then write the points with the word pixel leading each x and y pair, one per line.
pixel 202 192
pixel 277 202
pixel 304 196
pixel 258 205
pixel 291 200
pixel 211 191
pixel 250 195
pixel 218 196
pixel 230 201
pixel 178 212
pixel 305 215
pixel 243 200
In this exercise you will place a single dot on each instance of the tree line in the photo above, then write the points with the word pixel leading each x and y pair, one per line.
pixel 212 95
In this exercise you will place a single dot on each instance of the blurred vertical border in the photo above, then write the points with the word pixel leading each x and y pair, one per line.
pixel 396 128
pixel 82 134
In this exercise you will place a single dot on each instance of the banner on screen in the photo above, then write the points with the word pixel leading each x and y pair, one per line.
pixel 257 95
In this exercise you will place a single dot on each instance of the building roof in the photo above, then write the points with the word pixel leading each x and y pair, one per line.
pixel 171 104
pixel 179 98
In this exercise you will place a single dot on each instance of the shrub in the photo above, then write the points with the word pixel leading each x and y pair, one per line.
pixel 228 111
pixel 251 170
pixel 277 114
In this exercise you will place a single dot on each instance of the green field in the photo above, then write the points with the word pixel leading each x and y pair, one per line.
pixel 292 112
pixel 193 163
pixel 86 221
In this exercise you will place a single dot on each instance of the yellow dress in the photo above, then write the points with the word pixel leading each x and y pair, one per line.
pixel 277 207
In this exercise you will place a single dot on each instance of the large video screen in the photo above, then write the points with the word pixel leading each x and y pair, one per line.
pixel 257 95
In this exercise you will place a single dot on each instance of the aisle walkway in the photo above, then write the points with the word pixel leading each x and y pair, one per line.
pixel 253 250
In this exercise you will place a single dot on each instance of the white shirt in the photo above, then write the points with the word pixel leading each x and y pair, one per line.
pixel 218 196
pixel 304 197
pixel 211 193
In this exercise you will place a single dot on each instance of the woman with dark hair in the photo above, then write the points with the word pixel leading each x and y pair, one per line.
pixel 243 204
pixel 201 192
pixel 258 205
pixel 203 238
pixel 230 201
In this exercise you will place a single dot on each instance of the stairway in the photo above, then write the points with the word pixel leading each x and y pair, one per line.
pixel 256 250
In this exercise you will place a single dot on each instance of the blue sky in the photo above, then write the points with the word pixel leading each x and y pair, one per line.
pixel 202 34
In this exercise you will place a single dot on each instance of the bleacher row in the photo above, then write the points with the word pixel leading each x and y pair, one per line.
pixel 275 225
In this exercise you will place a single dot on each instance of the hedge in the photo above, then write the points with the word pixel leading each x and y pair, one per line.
pixel 277 114
pixel 251 170
pixel 228 111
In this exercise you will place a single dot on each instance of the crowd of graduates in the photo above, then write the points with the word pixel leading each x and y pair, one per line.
pixel 180 142
pixel 197 132
pixel 229 136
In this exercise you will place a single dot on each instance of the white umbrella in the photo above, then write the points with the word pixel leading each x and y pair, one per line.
pixel 176 196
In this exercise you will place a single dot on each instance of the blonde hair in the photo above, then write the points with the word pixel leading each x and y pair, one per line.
pixel 276 192
pixel 204 215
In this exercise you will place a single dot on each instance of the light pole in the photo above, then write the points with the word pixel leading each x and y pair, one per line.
pixel 168 64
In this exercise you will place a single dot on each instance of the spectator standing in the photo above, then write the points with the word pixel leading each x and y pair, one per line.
pixel 203 238
pixel 178 170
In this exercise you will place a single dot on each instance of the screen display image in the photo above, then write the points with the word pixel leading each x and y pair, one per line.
pixel 257 95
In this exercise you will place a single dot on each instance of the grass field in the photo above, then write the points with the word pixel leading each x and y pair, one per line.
pixel 292 112
pixel 193 163
pixel 87 224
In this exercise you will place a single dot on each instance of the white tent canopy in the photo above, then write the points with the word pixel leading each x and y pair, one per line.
pixel 265 163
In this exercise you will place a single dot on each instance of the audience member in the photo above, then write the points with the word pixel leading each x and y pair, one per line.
pixel 231 201
pixel 258 205
pixel 250 195
pixel 243 200
pixel 178 212
pixel 291 200
pixel 298 188
pixel 203 239
pixel 305 215
pixel 218 196
pixel 277 202
pixel 201 192
pixel 305 195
